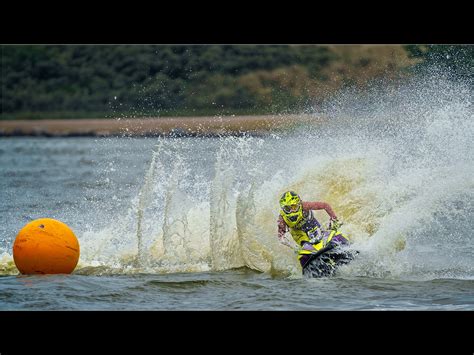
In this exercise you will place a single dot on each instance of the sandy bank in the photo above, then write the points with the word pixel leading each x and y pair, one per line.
pixel 175 126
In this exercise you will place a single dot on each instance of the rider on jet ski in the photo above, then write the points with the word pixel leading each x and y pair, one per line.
pixel 297 217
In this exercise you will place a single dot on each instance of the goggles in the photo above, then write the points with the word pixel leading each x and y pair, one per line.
pixel 290 208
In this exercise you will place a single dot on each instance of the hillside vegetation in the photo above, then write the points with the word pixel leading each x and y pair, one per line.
pixel 78 81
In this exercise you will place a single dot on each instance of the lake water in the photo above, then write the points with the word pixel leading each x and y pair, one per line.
pixel 190 223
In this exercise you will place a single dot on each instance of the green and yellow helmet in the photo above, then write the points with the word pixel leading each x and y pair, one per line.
pixel 291 208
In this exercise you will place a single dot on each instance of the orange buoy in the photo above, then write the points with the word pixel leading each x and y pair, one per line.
pixel 46 246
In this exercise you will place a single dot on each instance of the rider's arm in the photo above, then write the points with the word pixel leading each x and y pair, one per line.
pixel 320 206
pixel 282 229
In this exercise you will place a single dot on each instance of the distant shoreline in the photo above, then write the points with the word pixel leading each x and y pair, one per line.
pixel 153 126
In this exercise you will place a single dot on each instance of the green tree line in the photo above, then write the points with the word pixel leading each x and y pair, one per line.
pixel 62 81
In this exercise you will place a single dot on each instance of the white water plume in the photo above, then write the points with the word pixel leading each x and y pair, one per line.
pixel 395 163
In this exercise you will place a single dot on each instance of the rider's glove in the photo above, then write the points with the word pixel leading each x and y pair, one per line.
pixel 335 224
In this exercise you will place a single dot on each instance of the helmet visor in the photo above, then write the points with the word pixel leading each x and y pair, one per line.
pixel 290 208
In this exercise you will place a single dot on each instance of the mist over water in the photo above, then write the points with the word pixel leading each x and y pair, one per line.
pixel 416 140
pixel 394 162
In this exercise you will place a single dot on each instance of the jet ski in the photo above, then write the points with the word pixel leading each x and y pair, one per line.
pixel 321 257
